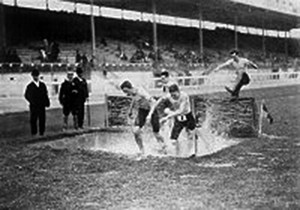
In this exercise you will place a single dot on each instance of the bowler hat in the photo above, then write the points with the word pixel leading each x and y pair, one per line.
pixel 35 72
pixel 79 70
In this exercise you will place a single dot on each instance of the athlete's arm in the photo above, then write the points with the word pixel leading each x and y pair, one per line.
pixel 227 63
pixel 131 107
pixel 153 107
pixel 179 111
pixel 219 67
pixel 252 64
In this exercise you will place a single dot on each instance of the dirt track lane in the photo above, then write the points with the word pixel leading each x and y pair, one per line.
pixel 260 173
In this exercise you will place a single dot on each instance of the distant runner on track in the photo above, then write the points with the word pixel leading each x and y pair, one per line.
pixel 240 65
pixel 144 102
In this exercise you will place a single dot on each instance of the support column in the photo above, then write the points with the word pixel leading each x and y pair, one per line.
pixel 93 33
pixel 75 6
pixel 263 43
pixel 286 51
pixel 2 32
pixel 154 29
pixel 200 35
pixel 235 33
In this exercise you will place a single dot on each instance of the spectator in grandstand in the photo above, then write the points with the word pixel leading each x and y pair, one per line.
pixel 182 114
pixel 138 56
pixel 143 102
pixel 170 48
pixel 37 95
pixel 240 65
pixel 123 56
pixel 151 55
pixel 2 54
pixel 66 99
pixel 46 46
pixel 54 52
pixel 81 95
pixel 84 59
pixel 78 56
pixel 43 57
pixel 103 42
pixel 12 56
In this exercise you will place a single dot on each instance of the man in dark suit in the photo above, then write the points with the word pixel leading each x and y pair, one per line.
pixel 80 96
pixel 37 95
pixel 66 99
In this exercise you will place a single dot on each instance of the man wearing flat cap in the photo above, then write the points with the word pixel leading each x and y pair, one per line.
pixel 37 95
pixel 80 94
pixel 66 99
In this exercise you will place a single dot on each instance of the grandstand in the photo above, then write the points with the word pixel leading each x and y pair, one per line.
pixel 178 40
pixel 175 42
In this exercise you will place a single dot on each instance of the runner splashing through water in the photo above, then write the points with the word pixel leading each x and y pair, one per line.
pixel 143 101
pixel 182 114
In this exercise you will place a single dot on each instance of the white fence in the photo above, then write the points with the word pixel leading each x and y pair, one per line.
pixel 12 86
pixel 215 83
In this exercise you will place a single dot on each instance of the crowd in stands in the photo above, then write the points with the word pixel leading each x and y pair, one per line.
pixel 49 52
pixel 11 56
pixel 141 50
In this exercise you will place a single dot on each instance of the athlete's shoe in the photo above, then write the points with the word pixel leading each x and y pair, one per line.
pixel 228 90
pixel 192 156
pixel 140 156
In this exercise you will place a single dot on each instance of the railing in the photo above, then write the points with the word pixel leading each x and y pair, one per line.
pixel 12 85
pixel 212 83
pixel 27 67
pixel 47 67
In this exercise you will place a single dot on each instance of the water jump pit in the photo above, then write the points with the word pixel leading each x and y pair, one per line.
pixel 220 124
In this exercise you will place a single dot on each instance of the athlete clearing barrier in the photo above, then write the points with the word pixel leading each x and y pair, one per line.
pixel 182 114
pixel 240 65
pixel 143 101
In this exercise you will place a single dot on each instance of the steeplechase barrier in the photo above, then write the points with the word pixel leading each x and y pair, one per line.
pixel 233 118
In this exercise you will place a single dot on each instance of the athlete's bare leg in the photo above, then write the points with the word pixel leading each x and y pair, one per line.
pixel 161 142
pixel 138 139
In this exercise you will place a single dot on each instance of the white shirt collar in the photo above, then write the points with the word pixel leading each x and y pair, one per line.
pixel 36 83
pixel 80 79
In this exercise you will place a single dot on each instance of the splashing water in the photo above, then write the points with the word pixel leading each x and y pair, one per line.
pixel 123 142
pixel 269 136
pixel 210 142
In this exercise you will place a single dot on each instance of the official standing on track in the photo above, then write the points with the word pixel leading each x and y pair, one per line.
pixel 66 99
pixel 37 95
pixel 81 94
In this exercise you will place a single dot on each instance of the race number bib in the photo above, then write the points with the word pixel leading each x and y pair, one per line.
pixel 181 118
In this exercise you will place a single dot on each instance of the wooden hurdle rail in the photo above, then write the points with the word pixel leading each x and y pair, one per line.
pixel 236 119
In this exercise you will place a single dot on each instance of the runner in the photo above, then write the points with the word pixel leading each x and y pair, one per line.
pixel 240 65
pixel 166 81
pixel 182 114
pixel 143 101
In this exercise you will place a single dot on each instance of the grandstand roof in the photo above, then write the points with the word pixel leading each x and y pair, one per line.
pixel 222 11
